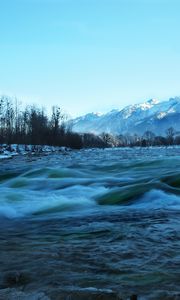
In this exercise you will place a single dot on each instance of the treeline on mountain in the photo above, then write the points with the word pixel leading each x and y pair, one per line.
pixel 32 125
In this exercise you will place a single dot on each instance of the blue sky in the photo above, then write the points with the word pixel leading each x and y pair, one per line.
pixel 89 55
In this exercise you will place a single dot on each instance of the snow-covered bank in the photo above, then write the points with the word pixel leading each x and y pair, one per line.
pixel 8 151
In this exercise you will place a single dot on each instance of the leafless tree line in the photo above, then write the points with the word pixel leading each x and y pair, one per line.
pixel 32 125
pixel 146 140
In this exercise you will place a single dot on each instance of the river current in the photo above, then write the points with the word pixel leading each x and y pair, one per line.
pixel 91 224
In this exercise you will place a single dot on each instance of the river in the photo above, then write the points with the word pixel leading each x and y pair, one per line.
pixel 91 224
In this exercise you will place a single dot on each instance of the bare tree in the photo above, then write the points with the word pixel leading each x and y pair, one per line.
pixel 170 133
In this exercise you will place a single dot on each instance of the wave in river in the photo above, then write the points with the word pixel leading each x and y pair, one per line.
pixel 77 190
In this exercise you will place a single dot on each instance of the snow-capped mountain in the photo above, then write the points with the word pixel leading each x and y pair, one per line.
pixel 152 115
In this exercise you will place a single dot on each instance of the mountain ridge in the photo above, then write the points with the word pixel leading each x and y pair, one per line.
pixel 152 115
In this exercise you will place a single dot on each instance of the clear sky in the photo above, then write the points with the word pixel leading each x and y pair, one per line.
pixel 89 55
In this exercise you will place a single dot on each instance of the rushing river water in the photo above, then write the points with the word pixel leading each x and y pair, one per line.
pixel 92 224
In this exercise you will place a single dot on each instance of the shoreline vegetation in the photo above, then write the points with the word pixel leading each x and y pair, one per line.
pixel 38 131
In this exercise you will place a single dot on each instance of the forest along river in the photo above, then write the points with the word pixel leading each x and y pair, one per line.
pixel 92 223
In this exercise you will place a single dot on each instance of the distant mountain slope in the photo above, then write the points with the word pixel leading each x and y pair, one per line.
pixel 152 115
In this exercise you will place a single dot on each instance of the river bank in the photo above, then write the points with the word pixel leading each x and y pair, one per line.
pixel 9 151
pixel 12 150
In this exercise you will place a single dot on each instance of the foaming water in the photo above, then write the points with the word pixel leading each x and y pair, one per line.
pixel 93 222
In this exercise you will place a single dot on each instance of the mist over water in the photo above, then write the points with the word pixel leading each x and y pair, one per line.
pixel 92 222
